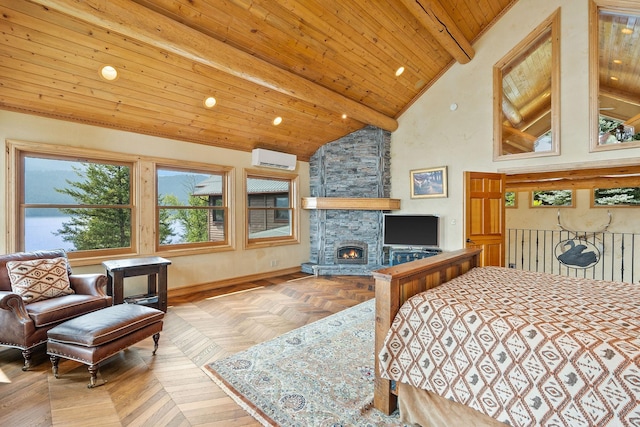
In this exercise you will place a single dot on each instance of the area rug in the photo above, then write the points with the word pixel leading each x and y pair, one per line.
pixel 318 375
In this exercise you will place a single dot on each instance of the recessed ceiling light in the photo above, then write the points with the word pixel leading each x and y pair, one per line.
pixel 209 102
pixel 627 31
pixel 344 116
pixel 109 73
pixel 617 61
pixel 614 78
pixel 277 121
pixel 399 71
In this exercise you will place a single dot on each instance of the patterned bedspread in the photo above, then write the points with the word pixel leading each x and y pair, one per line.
pixel 524 348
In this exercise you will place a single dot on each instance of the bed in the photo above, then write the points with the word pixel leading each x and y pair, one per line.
pixel 488 346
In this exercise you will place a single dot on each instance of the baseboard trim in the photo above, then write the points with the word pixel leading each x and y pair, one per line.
pixel 191 289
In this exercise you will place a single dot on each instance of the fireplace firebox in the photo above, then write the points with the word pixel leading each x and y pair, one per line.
pixel 351 252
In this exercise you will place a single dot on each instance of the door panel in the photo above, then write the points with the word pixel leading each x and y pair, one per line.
pixel 484 215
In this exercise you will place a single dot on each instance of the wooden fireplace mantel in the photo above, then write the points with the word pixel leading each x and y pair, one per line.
pixel 350 203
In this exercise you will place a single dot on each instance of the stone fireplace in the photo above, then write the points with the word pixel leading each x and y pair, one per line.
pixel 355 166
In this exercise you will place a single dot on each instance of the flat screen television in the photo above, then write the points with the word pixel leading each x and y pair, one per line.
pixel 411 230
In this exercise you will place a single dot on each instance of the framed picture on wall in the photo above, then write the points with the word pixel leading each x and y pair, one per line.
pixel 430 182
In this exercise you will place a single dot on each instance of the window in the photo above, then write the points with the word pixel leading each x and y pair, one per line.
pixel 271 208
pixel 526 95
pixel 552 198
pixel 101 205
pixel 192 207
pixel 624 196
pixel 78 205
pixel 282 214
pixel 612 71
pixel 510 199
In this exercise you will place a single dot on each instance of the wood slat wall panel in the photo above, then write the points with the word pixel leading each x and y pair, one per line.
pixel 51 47
pixel 352 47
pixel 344 48
pixel 312 40
pixel 377 30
pixel 172 111
pixel 148 67
pixel 592 177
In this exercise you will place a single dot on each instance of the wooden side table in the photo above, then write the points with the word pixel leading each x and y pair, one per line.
pixel 155 268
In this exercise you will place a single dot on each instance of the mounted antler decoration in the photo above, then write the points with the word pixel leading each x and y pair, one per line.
pixel 580 253
pixel 584 235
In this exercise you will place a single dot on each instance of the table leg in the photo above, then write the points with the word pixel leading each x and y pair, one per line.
pixel 162 288
pixel 118 287
pixel 152 284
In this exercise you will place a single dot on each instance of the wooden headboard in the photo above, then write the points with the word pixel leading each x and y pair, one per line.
pixel 394 285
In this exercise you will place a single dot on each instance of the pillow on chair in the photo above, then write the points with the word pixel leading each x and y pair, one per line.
pixel 39 279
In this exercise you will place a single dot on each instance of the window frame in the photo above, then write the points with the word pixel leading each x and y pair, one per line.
pixel 293 208
pixel 592 194
pixel 571 205
pixel 143 199
pixel 18 150
pixel 225 174
pixel 552 26
pixel 619 7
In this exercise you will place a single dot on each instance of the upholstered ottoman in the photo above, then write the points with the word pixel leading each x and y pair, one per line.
pixel 96 336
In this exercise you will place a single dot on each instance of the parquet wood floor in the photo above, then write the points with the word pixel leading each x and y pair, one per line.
pixel 170 388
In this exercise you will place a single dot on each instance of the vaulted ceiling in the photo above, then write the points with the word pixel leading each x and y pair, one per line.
pixel 326 67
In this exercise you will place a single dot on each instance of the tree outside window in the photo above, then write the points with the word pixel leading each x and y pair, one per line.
pixel 75 205
pixel 552 198
pixel 623 196
pixel 191 203
pixel 82 201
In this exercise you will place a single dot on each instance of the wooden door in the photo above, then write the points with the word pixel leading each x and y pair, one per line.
pixel 484 215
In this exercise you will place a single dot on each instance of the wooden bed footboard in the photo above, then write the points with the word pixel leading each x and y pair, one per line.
pixel 394 285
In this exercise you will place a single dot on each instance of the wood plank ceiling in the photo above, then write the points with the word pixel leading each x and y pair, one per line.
pixel 308 62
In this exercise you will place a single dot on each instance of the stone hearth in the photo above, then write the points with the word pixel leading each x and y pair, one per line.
pixel 355 166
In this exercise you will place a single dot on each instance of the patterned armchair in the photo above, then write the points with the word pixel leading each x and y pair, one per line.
pixel 37 292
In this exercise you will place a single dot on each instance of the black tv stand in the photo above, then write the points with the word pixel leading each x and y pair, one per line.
pixel 408 254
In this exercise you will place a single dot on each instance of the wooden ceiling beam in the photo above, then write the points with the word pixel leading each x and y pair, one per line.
pixel 619 95
pixel 515 141
pixel 437 21
pixel 592 177
pixel 154 29
pixel 510 112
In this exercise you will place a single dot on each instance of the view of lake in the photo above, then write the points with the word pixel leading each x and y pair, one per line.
pixel 39 233
pixel 46 183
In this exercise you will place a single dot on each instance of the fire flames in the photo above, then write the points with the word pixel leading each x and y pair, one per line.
pixel 350 254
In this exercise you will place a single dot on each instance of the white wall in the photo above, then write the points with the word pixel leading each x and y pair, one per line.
pixel 185 270
pixel 430 134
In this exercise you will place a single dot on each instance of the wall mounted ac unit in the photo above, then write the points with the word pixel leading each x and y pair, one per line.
pixel 273 159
